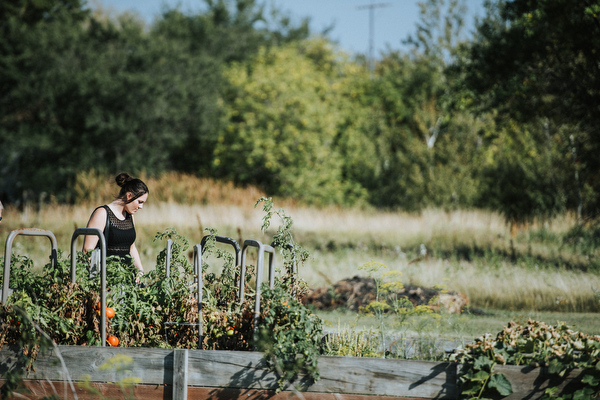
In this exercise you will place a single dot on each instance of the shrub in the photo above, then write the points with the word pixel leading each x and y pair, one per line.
pixel 559 348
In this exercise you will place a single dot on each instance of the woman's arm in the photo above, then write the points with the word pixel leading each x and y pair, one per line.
pixel 98 221
pixel 136 258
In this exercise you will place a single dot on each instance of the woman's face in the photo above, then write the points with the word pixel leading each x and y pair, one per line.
pixel 136 204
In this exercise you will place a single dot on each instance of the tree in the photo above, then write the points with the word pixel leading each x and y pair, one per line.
pixel 282 131
pixel 425 148
pixel 82 91
pixel 538 61
pixel 230 31
pixel 91 96
pixel 33 38
pixel 521 170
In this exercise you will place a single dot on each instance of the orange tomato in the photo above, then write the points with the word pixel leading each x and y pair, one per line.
pixel 113 341
pixel 110 312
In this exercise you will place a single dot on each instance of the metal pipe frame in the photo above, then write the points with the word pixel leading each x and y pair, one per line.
pixel 97 232
pixel 236 248
pixel 200 286
pixel 226 240
pixel 262 248
pixel 8 253
pixel 168 261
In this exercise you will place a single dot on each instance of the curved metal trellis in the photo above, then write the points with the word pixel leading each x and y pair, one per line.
pixel 8 253
pixel 92 231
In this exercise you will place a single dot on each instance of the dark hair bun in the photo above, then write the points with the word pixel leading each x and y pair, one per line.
pixel 123 178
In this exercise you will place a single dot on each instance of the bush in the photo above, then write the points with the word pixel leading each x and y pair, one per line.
pixel 559 348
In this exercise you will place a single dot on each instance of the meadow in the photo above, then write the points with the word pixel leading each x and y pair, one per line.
pixel 543 271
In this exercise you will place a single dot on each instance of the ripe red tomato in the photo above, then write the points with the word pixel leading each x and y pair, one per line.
pixel 113 341
pixel 110 312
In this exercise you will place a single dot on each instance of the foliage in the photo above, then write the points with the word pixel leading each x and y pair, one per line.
pixel 162 310
pixel 519 156
pixel 439 30
pixel 293 253
pixel 349 342
pixel 115 90
pixel 536 61
pixel 286 125
pixel 427 150
pixel 389 299
pixel 558 348
pixel 290 337
pixel 289 334
pixel 504 120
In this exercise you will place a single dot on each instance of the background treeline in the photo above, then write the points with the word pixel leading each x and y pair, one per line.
pixel 505 118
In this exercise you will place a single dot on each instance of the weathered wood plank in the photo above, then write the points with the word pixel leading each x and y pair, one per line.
pixel 180 374
pixel 387 377
pixel 338 374
pixel 528 382
pixel 152 366
pixel 235 369
pixel 246 372
pixel 39 389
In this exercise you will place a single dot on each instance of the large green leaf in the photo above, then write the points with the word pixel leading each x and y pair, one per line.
pixel 501 384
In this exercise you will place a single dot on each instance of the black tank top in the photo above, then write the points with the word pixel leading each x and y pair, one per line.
pixel 120 235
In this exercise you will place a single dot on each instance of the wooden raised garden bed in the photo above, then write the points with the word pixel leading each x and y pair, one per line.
pixel 206 374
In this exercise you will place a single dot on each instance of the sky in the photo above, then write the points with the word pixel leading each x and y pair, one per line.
pixel 393 20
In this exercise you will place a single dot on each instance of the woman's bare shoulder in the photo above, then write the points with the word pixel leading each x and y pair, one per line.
pixel 98 218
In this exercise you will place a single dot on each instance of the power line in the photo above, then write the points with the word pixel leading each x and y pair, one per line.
pixel 372 7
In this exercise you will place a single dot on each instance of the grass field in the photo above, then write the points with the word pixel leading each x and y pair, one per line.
pixel 537 273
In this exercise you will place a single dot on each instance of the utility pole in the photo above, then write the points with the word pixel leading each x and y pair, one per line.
pixel 372 7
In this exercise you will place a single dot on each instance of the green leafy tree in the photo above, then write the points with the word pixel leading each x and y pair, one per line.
pixel 426 148
pixel 284 111
pixel 228 31
pixel 32 36
pixel 81 91
pixel 520 169
pixel 91 94
pixel 538 61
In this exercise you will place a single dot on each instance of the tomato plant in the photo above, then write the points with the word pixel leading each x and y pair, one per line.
pixel 164 311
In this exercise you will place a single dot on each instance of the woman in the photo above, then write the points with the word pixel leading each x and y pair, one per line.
pixel 120 236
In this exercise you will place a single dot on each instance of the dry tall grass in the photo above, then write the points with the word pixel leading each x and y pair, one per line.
pixel 339 240
pixel 92 187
